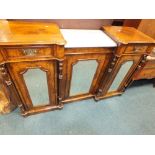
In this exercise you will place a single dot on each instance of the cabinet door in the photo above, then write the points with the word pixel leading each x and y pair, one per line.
pixel 118 77
pixel 36 84
pixel 81 74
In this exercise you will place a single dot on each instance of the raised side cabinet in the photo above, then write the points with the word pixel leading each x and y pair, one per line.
pixel 32 52
pixel 130 55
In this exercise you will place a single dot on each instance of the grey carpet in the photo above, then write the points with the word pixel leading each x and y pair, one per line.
pixel 131 113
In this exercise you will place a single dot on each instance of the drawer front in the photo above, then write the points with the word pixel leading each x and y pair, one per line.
pixel 136 49
pixel 28 52
pixel 150 64
pixel 83 51
pixel 145 74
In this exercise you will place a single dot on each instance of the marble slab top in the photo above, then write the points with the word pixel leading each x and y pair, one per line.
pixel 86 38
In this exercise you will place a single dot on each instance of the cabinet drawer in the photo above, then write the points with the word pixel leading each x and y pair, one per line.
pixel 136 49
pixel 146 74
pixel 150 64
pixel 28 52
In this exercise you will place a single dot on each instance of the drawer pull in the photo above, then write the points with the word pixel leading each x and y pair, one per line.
pixel 30 52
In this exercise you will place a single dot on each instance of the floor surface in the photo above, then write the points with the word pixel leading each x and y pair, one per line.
pixel 131 113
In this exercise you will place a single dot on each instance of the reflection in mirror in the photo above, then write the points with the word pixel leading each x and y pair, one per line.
pixel 120 75
pixel 82 76
pixel 36 83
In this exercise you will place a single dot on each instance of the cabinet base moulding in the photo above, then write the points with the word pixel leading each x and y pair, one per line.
pixel 37 110
pixel 77 98
pixel 112 94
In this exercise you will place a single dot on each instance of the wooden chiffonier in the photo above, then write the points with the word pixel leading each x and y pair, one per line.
pixel 130 55
pixel 43 67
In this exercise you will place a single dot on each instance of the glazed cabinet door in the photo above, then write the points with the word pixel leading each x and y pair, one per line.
pixel 118 76
pixel 37 84
pixel 81 74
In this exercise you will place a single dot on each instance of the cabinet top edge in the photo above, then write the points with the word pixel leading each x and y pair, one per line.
pixel 25 33
pixel 127 35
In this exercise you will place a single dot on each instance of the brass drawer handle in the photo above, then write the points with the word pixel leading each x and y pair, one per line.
pixel 30 52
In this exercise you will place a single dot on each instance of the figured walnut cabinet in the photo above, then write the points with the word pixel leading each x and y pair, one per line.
pixel 43 67
pixel 32 52
pixel 130 55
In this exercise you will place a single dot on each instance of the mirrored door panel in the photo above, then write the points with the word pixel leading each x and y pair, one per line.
pixel 120 76
pixel 82 76
pixel 124 69
pixel 36 82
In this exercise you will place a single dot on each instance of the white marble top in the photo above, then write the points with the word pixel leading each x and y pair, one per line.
pixel 86 38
